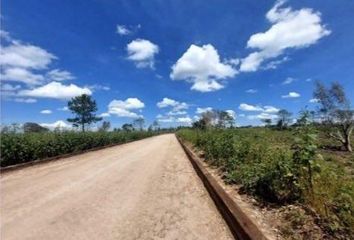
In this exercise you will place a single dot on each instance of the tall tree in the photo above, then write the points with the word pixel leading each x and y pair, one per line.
pixel 284 118
pixel 267 121
pixel 106 125
pixel 128 127
pixel 335 112
pixel 84 108
pixel 139 123
pixel 225 119
pixel 155 125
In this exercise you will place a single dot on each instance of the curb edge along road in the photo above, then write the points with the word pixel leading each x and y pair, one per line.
pixel 241 226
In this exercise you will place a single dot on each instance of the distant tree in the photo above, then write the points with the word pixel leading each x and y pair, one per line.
pixel 335 112
pixel 106 125
pixel 128 127
pixel 224 119
pixel 84 108
pixel 12 128
pixel 139 123
pixel 216 118
pixel 30 127
pixel 267 122
pixel 209 117
pixel 155 125
pixel 284 118
pixel 200 124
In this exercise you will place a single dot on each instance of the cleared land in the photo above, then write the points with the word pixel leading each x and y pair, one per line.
pixel 142 190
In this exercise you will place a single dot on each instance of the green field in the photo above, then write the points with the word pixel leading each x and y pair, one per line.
pixel 283 168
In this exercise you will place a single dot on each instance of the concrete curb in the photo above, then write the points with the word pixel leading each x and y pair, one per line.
pixel 241 226
pixel 55 158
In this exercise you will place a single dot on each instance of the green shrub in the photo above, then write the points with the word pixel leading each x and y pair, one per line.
pixel 26 147
pixel 279 168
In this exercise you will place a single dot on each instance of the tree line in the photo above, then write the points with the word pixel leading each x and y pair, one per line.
pixel 334 115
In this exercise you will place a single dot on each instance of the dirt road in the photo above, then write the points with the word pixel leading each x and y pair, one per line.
pixel 142 190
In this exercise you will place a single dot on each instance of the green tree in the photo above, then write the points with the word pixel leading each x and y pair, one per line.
pixel 284 118
pixel 336 112
pixel 106 125
pixel 84 108
pixel 267 122
pixel 139 123
pixel 155 125
pixel 225 119
pixel 128 127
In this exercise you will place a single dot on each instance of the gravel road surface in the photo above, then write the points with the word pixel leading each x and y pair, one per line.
pixel 141 190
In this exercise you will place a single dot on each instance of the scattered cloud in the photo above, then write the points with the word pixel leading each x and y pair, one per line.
pixel 65 108
pixel 288 80
pixel 262 115
pixel 265 111
pixel 186 120
pixel 55 90
pixel 25 100
pixel 291 95
pixel 290 29
pixel 123 30
pixel 202 67
pixel 270 109
pixel 20 55
pixel 274 64
pixel 28 64
pixel 126 30
pixel 58 124
pixel 231 113
pixel 15 74
pixel 176 107
pixel 9 87
pixel 251 90
pixel 250 108
pixel 46 111
pixel 59 75
pixel 142 52
pixel 104 115
pixel 99 87
pixel 203 110
pixel 124 108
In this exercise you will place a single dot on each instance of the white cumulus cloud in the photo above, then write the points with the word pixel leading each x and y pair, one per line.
pixel 25 56
pixel 142 52
pixel 250 108
pixel 16 74
pixel 290 29
pixel 124 108
pixel 203 68
pixel 291 95
pixel 58 124
pixel 46 111
pixel 55 90
pixel 203 110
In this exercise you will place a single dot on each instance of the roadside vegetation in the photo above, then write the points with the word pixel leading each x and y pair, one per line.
pixel 304 170
pixel 31 141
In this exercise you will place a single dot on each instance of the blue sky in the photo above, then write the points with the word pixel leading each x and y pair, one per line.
pixel 170 60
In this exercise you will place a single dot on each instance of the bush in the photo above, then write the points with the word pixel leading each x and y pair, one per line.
pixel 279 168
pixel 20 148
